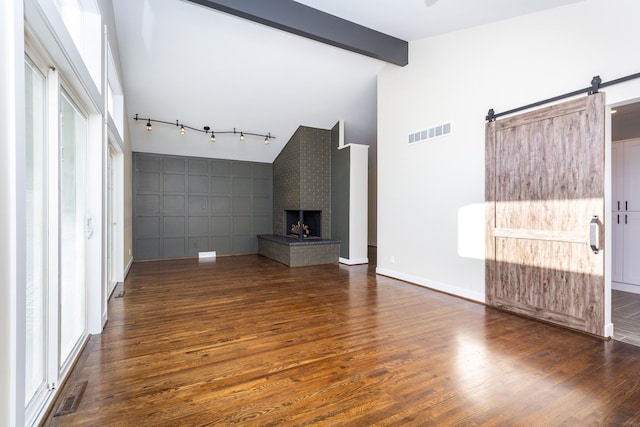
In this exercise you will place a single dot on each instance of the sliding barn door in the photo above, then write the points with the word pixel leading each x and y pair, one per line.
pixel 545 207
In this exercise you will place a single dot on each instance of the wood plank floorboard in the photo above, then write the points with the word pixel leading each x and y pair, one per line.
pixel 247 341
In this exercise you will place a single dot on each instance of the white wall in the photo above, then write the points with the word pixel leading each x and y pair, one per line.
pixel 431 194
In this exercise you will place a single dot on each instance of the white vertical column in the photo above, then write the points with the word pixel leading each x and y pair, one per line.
pixel 96 227
pixel 12 214
pixel 358 204
pixel 53 229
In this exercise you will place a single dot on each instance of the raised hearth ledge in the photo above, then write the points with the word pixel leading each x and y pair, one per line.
pixel 294 241
pixel 296 253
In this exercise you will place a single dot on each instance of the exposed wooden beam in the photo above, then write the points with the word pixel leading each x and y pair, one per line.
pixel 305 21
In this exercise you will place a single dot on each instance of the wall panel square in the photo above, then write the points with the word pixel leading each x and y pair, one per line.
pixel 198 226
pixel 244 169
pixel 173 205
pixel 242 225
pixel 198 205
pixel 173 226
pixel 173 247
pixel 220 167
pixel 242 205
pixel 198 184
pixel 220 185
pixel 147 226
pixel 174 164
pixel 199 166
pixel 173 183
pixel 221 226
pixel 220 205
pixel 147 248
pixel 146 204
pixel 148 163
pixel 148 182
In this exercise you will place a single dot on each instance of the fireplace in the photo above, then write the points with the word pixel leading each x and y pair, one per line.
pixel 303 224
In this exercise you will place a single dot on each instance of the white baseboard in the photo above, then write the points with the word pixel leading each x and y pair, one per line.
pixel 127 268
pixel 625 287
pixel 442 287
pixel 354 261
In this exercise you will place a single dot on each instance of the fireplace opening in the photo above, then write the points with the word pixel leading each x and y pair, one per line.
pixel 303 224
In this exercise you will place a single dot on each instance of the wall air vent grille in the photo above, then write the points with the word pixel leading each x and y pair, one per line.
pixel 431 133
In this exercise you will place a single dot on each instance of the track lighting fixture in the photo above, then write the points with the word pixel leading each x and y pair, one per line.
pixel 206 130
pixel 212 138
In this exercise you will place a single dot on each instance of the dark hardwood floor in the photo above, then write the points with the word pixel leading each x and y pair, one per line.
pixel 247 341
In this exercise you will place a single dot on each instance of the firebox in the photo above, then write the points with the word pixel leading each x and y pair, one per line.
pixel 303 224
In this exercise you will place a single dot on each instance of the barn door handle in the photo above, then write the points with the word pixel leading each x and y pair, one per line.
pixel 594 234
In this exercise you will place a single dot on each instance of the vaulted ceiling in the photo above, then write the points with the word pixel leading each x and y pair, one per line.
pixel 202 67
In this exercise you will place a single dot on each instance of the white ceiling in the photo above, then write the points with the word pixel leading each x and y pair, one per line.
pixel 185 62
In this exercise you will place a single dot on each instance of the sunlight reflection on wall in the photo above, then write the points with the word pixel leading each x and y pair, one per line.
pixel 471 231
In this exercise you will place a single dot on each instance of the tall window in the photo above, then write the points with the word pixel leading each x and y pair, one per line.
pixel 73 160
pixel 115 98
pixel 83 22
pixel 36 198
pixel 71 13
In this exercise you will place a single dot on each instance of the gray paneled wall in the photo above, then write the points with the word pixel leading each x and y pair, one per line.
pixel 186 205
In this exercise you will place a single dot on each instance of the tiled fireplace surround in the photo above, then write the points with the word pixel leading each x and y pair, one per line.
pixel 302 181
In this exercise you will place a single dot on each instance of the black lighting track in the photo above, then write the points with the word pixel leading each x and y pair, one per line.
pixel 596 84
pixel 205 129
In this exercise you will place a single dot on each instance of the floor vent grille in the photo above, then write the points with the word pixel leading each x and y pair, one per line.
pixel 71 402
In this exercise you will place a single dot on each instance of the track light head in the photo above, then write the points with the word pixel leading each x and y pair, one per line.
pixel 182 130
pixel 149 127
pixel 241 136
pixel 213 137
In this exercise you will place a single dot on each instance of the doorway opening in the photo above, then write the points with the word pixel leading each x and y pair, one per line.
pixel 625 222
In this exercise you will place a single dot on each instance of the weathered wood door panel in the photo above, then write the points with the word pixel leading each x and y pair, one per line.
pixel 544 183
